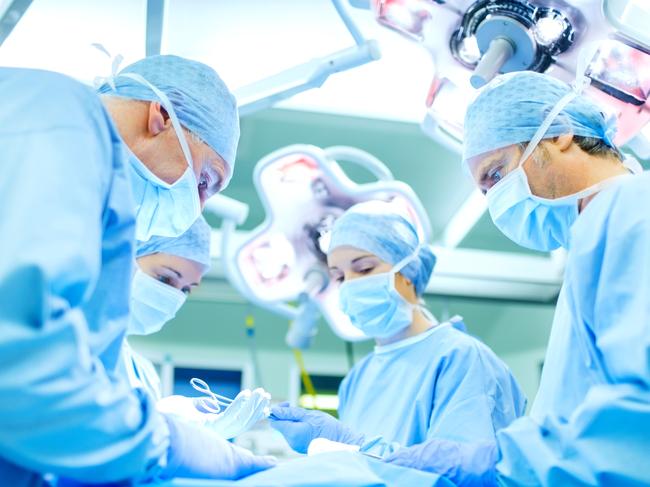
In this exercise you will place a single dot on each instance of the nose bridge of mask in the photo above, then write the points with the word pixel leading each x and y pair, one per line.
pixel 157 294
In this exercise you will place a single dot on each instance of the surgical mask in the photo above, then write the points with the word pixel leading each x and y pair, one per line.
pixel 153 303
pixel 528 220
pixel 162 209
pixel 373 304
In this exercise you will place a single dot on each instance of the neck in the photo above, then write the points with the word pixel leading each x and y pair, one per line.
pixel 420 324
pixel 599 172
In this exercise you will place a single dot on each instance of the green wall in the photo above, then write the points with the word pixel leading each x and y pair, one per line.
pixel 213 334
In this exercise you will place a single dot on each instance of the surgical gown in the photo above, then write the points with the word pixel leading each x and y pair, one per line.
pixel 140 372
pixel 590 422
pixel 442 383
pixel 66 252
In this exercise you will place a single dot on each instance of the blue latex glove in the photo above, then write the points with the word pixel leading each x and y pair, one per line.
pixel 300 426
pixel 465 464
pixel 197 452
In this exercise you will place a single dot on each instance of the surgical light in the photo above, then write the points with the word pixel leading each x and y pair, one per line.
pixel 447 105
pixel 549 28
pixel 273 258
pixel 404 16
pixel 469 51
pixel 511 35
pixel 281 265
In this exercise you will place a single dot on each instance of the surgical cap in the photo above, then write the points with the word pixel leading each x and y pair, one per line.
pixel 203 103
pixel 379 228
pixel 511 108
pixel 193 245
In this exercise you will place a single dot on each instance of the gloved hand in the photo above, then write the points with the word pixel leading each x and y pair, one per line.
pixel 245 411
pixel 465 464
pixel 300 426
pixel 181 407
pixel 196 452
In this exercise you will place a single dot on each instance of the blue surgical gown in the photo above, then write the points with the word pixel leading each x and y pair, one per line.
pixel 442 383
pixel 590 422
pixel 66 253
pixel 140 372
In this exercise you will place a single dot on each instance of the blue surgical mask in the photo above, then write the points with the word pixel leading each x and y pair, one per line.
pixel 528 220
pixel 162 209
pixel 153 303
pixel 373 304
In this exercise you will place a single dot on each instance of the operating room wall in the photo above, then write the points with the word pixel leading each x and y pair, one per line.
pixel 212 334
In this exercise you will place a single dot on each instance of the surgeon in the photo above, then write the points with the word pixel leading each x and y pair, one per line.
pixel 168 269
pixel 425 379
pixel 82 176
pixel 545 158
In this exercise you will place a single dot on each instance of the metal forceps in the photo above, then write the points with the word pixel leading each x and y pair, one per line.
pixel 213 403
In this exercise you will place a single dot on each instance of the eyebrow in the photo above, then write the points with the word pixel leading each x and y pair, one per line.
pixel 353 261
pixel 180 276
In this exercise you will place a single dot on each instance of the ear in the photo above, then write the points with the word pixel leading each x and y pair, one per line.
pixel 157 120
pixel 405 287
pixel 563 142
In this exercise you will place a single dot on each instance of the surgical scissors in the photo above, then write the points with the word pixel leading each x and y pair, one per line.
pixel 214 403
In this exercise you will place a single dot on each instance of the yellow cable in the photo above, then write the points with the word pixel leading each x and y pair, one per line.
pixel 306 380
pixel 249 321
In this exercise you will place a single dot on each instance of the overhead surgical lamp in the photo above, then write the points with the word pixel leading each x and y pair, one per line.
pixel 281 265
pixel 473 41
pixel 501 36
pixel 267 92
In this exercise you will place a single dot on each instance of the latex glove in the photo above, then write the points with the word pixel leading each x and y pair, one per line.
pixel 243 413
pixel 196 452
pixel 300 426
pixel 465 464
pixel 247 409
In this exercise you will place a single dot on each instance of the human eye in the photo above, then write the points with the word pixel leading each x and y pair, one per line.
pixel 365 269
pixel 365 266
pixel 495 174
pixel 336 276
pixel 165 279
pixel 204 183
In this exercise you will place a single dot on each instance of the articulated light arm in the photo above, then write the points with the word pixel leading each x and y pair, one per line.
pixel 269 91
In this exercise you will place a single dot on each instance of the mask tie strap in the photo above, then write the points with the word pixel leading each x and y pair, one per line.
pixel 580 84
pixel 407 260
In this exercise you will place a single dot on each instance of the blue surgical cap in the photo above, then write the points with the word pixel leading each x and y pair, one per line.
pixel 202 101
pixel 193 245
pixel 511 108
pixel 377 227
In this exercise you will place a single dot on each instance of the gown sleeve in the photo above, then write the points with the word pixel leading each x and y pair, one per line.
pixel 61 411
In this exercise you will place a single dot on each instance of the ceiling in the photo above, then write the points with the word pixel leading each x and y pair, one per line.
pixel 244 40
